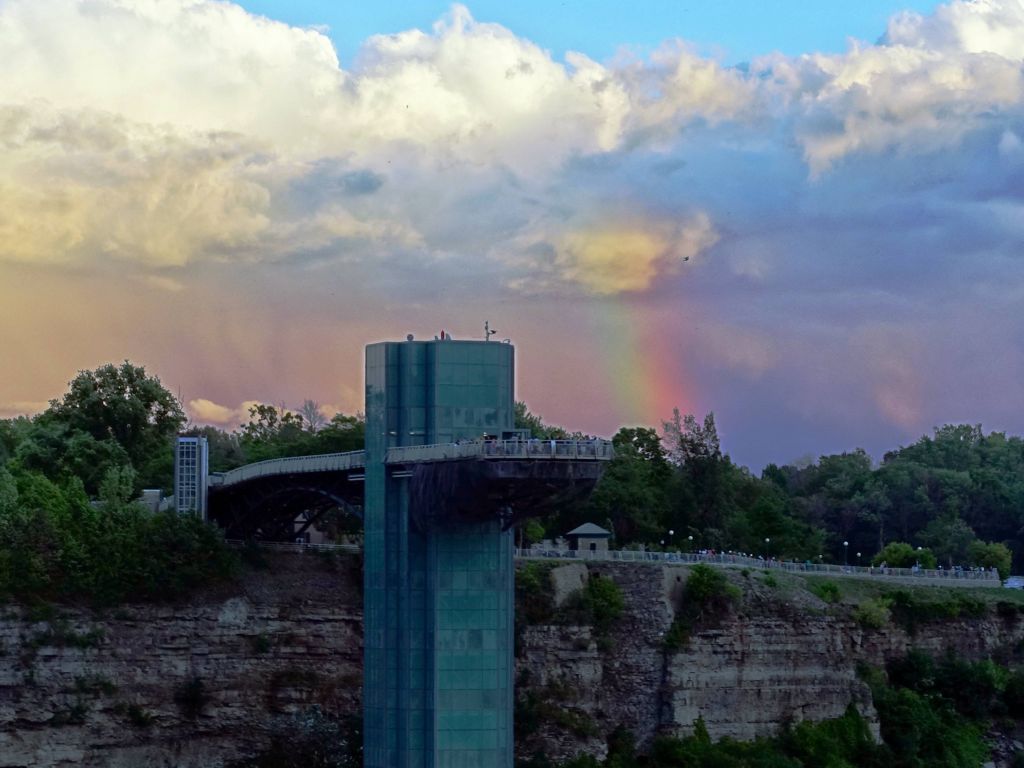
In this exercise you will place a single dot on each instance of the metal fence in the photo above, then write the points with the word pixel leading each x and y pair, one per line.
pixel 950 577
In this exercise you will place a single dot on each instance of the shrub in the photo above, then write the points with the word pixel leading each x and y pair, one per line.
pixel 872 614
pixel 135 715
pixel 707 594
pixel 535 602
pixel 828 591
pixel 899 554
pixel 990 554
pixel 604 602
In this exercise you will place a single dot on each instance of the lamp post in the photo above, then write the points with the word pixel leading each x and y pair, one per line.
pixel 846 552
pixel 767 550
pixel 670 534
pixel 858 559
pixel 690 538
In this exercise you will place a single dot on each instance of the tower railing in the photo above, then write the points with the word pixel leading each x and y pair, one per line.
pixel 596 450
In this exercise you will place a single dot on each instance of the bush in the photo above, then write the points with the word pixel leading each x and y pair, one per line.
pixel 828 591
pixel 991 555
pixel 899 554
pixel 604 602
pixel 872 614
pixel 707 594
pixel 535 601
pixel 910 610
pixel 55 545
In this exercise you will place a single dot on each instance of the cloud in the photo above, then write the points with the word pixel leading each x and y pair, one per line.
pixel 206 411
pixel 85 186
pixel 212 193
pixel 929 82
pixel 628 256
pixel 209 412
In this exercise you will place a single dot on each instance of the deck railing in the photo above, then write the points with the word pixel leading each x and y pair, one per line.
pixel 952 577
pixel 599 450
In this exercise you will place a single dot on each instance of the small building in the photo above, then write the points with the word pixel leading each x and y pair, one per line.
pixel 589 537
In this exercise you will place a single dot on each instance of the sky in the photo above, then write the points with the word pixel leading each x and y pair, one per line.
pixel 805 217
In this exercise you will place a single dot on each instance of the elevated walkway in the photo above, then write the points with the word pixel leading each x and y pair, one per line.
pixel 557 450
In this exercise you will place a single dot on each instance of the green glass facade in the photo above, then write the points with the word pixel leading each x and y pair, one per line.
pixel 438 655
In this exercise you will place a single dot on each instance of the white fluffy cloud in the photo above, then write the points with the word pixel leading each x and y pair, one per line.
pixel 929 82
pixel 166 132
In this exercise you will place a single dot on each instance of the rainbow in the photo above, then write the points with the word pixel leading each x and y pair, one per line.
pixel 644 359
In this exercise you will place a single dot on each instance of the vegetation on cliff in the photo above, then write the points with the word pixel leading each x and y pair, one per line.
pixel 933 714
pixel 69 529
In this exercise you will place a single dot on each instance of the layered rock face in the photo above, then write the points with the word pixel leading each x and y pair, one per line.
pixel 780 655
pixel 186 685
pixel 201 684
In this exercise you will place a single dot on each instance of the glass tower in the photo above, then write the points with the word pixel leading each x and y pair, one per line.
pixel 438 637
pixel 191 475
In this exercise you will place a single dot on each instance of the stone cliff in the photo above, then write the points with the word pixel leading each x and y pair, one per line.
pixel 201 683
pixel 180 685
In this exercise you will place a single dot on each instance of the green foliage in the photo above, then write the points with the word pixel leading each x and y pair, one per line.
pixel 635 488
pixel 872 614
pixel 910 610
pixel 549 705
pixel 922 731
pixel 136 715
pixel 124 405
pixel 604 602
pixel 828 591
pixel 534 593
pixel 706 596
pixel 55 545
pixel 976 690
pixel 991 555
pixel 535 424
pixel 921 726
pixel 533 531
pixel 899 554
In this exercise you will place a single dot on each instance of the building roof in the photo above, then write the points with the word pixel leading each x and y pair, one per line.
pixel 589 529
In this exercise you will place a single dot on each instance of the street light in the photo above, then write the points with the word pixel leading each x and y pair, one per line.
pixel 846 551
pixel 671 533
pixel 858 559
pixel 767 552
pixel 690 538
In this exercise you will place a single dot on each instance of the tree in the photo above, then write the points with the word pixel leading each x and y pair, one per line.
pixel 991 554
pixel 123 404
pixel 310 412
pixel 526 420
pixel 949 537
pixel 271 433
pixel 633 491
pixel 899 554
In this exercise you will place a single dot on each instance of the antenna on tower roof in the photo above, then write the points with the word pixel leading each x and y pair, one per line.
pixel 487 330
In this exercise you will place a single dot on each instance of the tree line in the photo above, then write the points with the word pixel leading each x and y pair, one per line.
pixel 953 498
